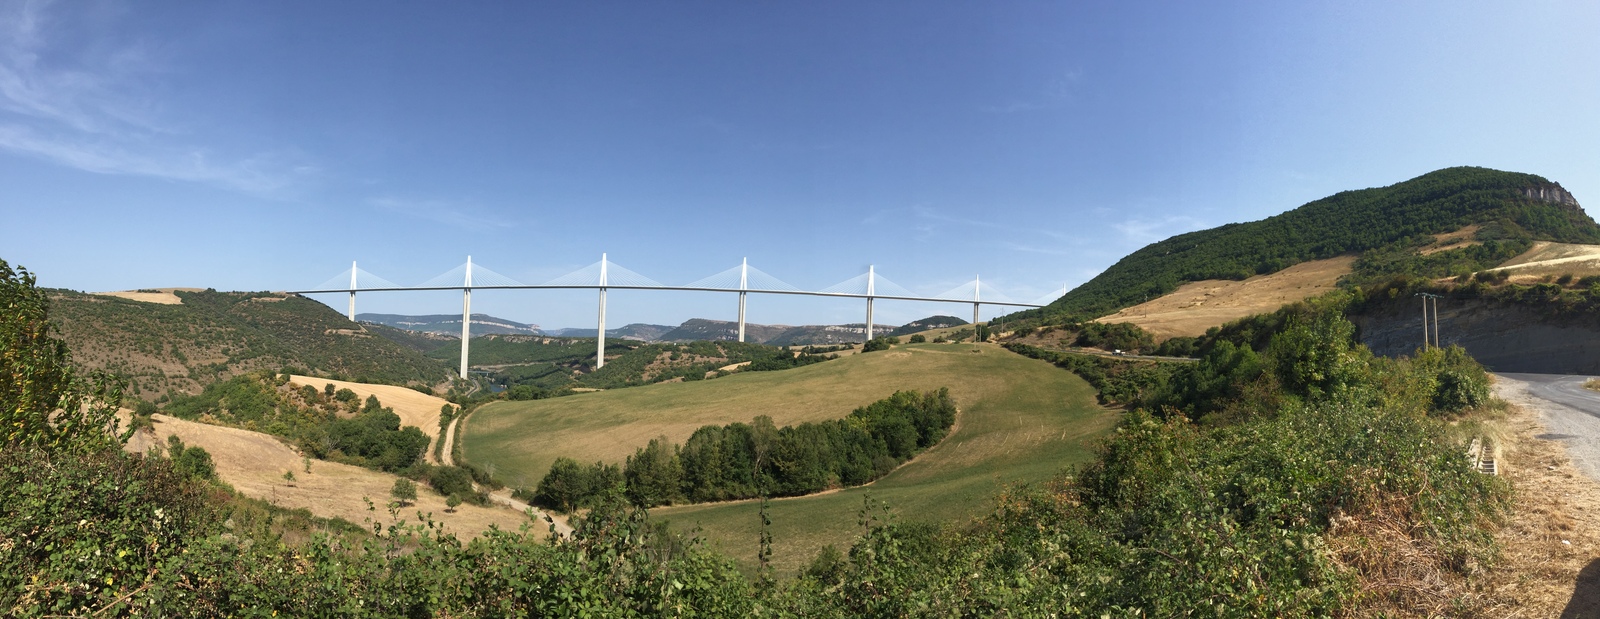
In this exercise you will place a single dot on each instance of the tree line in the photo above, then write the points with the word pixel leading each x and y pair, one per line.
pixel 740 461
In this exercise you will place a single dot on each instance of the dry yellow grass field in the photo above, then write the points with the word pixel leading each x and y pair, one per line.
pixel 165 296
pixel 1547 258
pixel 254 464
pixel 1197 306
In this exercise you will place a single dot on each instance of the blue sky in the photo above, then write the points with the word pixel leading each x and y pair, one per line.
pixel 266 145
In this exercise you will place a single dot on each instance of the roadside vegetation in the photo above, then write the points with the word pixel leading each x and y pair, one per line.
pixel 1318 480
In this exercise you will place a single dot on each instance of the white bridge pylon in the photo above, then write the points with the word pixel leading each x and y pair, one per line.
pixel 604 274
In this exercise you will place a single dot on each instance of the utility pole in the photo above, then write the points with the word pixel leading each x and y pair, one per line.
pixel 1426 339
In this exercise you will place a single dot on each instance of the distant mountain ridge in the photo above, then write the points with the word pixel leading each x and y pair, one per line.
pixel 450 324
pixel 1386 220
pixel 636 331
pixel 931 322
pixel 692 330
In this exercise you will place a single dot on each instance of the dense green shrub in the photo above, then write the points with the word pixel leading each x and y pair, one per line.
pixel 1124 336
pixel 1462 383
pixel 1117 380
pixel 526 392
pixel 879 343
pixel 192 461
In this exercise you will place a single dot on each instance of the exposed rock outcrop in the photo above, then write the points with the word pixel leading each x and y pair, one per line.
pixel 1504 337
pixel 1552 193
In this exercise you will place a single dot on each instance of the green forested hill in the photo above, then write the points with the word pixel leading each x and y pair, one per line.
pixel 1384 218
pixel 212 335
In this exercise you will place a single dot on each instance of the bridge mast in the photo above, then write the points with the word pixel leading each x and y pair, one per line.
pixel 869 302
pixel 600 335
pixel 466 317
pixel 976 295
pixel 744 273
pixel 352 291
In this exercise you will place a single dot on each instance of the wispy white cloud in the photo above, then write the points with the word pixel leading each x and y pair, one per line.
pixel 453 214
pixel 1144 231
pixel 923 217
pixel 263 174
pixel 86 107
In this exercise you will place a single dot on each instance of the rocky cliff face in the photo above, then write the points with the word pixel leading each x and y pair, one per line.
pixel 1503 337
pixel 1552 193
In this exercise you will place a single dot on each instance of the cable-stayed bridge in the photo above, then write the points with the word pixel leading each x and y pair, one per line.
pixel 604 275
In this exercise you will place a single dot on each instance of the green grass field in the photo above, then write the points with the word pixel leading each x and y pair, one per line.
pixel 1021 421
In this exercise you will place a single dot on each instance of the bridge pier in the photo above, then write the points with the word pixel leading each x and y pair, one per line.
pixel 466 317
pixel 976 287
pixel 600 334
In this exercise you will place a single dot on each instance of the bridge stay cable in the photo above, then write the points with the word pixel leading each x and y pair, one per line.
pixel 604 275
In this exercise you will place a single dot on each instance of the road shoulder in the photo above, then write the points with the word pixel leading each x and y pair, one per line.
pixel 1552 538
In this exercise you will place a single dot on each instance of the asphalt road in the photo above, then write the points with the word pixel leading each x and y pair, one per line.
pixel 1571 414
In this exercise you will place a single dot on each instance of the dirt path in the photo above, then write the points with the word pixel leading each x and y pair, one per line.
pixel 1550 564
pixel 447 454
pixel 502 496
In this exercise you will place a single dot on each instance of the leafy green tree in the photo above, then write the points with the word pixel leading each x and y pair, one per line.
pixel 451 502
pixel 654 473
pixel 564 485
pixel 44 401
pixel 404 491
pixel 915 339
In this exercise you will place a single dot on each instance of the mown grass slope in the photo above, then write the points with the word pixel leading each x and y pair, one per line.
pixel 1021 420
